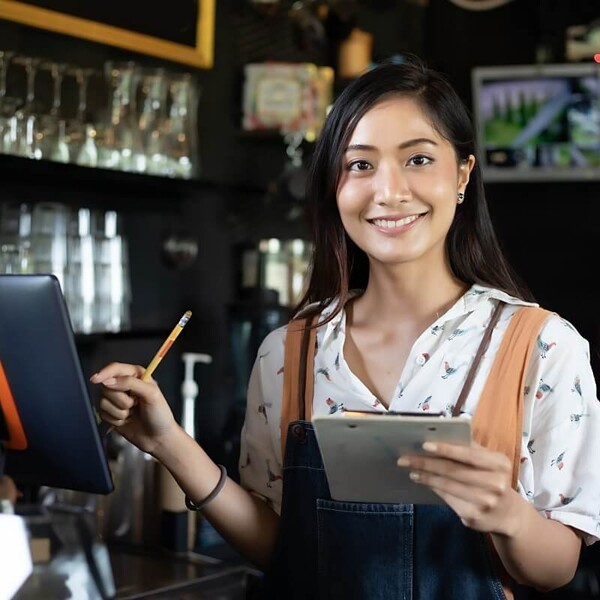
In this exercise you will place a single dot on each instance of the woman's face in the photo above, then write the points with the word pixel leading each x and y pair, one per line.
pixel 399 184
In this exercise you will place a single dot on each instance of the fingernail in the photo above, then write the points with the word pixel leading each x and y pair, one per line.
pixel 93 376
pixel 110 381
pixel 403 461
pixel 429 446
pixel 414 476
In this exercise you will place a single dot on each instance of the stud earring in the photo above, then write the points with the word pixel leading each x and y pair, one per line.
pixel 461 197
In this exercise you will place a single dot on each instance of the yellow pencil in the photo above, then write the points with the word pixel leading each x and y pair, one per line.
pixel 161 352
pixel 166 346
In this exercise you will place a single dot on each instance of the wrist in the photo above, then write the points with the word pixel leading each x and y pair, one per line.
pixel 167 444
pixel 519 512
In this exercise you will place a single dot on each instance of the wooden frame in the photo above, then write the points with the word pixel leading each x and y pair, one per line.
pixel 200 56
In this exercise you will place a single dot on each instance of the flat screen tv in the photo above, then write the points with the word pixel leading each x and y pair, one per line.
pixel 538 122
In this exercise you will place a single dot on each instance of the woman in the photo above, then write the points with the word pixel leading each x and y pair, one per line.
pixel 406 276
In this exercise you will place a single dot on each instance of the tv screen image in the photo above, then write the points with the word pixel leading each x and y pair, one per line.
pixel 538 122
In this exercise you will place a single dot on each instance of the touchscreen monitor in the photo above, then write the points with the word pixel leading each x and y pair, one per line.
pixel 49 433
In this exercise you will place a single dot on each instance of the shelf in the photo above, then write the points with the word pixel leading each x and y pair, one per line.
pixel 16 170
pixel 33 180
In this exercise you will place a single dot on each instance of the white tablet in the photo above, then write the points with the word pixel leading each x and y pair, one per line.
pixel 360 451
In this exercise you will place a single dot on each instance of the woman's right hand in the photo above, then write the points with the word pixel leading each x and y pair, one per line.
pixel 136 409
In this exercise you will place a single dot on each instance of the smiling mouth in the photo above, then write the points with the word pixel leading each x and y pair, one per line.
pixel 394 223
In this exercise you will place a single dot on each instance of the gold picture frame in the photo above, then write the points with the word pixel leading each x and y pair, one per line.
pixel 201 55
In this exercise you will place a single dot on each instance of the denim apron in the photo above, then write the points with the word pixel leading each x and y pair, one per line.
pixel 329 550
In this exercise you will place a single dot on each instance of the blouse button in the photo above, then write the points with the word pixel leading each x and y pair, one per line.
pixel 299 433
pixel 421 360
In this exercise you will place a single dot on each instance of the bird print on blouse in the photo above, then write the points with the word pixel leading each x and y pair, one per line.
pixel 476 292
pixel 576 418
pixel 436 329
pixel 543 389
pixel 558 461
pixel 450 370
pixel 425 405
pixel 337 329
pixel 325 372
pixel 333 406
pixel 262 409
pixel 564 500
pixel 577 386
pixel 544 347
pixel 458 332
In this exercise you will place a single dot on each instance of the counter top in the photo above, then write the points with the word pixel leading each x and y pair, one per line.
pixel 156 575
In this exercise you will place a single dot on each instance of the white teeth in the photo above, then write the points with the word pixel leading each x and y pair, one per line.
pixel 393 224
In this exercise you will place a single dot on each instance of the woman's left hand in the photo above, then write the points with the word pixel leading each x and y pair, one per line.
pixel 474 481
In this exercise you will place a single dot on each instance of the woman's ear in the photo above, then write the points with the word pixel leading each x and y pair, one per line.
pixel 464 172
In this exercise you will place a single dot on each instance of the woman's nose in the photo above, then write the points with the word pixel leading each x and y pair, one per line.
pixel 390 185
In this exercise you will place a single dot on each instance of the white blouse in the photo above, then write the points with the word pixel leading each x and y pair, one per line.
pixel 560 451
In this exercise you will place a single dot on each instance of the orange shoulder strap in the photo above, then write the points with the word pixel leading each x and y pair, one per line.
pixel 497 422
pixel 300 346
pixel 498 419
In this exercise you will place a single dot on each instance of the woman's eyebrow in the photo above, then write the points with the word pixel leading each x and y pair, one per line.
pixel 406 144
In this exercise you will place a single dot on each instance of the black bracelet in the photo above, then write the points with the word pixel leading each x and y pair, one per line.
pixel 200 505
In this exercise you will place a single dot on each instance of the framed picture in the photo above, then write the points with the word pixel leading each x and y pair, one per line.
pixel 184 33
pixel 287 97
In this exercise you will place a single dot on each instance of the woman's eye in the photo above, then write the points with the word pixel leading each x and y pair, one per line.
pixel 419 160
pixel 358 165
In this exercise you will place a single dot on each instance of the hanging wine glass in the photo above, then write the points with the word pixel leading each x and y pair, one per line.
pixel 53 125
pixel 24 131
pixel 181 135
pixel 121 148
pixel 153 96
pixel 31 65
pixel 57 73
pixel 82 77
pixel 8 104
pixel 82 133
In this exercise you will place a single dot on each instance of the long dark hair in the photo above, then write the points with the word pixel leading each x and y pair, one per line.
pixel 337 264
